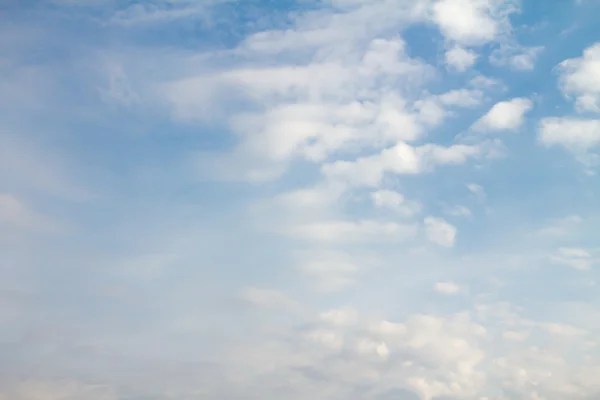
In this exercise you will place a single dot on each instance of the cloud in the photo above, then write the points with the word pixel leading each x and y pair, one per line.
pixel 447 288
pixel 462 98
pixel 561 227
pixel 332 271
pixel 471 22
pixel 575 258
pixel 440 232
pixel 395 202
pixel 579 77
pixel 460 59
pixel 14 214
pixel 477 190
pixel 161 12
pixel 339 231
pixel 341 317
pixel 504 116
pixel 516 57
pixel 515 336
pixel 574 134
pixel 459 211
pixel 267 190
pixel 400 159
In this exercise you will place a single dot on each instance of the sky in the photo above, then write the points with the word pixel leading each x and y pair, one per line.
pixel 299 199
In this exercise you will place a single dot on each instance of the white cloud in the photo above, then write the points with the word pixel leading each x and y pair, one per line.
pixel 477 190
pixel 575 258
pixel 334 100
pixel 329 339
pixel 516 336
pixel 458 211
pixel 460 59
pixel 575 134
pixel 447 288
pixel 462 98
pixel 580 77
pixel 562 329
pixel 471 22
pixel 160 12
pixel 561 227
pixel 516 57
pixel 505 115
pixel 340 231
pixel 395 201
pixel 340 317
pixel 400 159
pixel 440 232
pixel 486 83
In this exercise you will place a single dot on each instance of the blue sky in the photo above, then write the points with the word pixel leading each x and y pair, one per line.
pixel 386 199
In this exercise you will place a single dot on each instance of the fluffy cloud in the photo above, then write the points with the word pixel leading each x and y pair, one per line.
pixel 400 159
pixel 440 232
pixel 575 134
pixel 471 22
pixel 580 78
pixel 505 116
pixel 460 59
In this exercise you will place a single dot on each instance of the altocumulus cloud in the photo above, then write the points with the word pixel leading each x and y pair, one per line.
pixel 300 199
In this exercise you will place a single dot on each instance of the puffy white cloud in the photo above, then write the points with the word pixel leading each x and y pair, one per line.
pixel 575 134
pixel 400 159
pixel 447 288
pixel 470 22
pixel 505 115
pixel 440 232
pixel 460 59
pixel 580 77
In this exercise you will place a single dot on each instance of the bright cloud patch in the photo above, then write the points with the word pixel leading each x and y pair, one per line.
pixel 460 59
pixel 440 232
pixel 578 136
pixel 505 115
pixel 580 78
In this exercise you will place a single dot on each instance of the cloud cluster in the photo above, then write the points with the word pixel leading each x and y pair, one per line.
pixel 311 204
